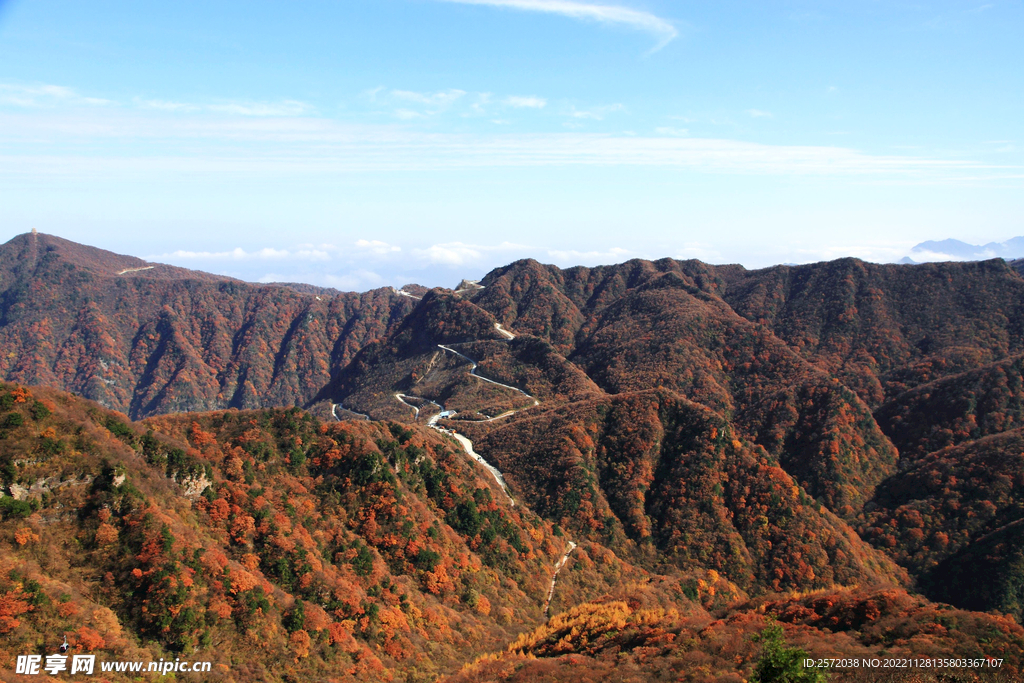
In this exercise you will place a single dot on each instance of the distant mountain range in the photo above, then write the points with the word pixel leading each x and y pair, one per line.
pixel 955 250
pixel 837 445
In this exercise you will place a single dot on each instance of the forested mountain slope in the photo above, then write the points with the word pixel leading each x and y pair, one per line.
pixel 282 548
pixel 883 329
pixel 147 339
pixel 786 429
pixel 294 546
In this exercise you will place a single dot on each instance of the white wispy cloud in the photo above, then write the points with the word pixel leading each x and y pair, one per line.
pixel 373 93
pixel 441 98
pixel 354 280
pixel 409 105
pixel 526 102
pixel 460 253
pixel 759 113
pixel 661 29
pixel 595 113
pixel 239 254
pixel 167 105
pixel 139 144
pixel 698 250
pixel 482 103
pixel 45 95
pixel 354 266
pixel 874 253
pixel 405 105
pixel 451 254
pixel 241 108
pixel 927 256
pixel 576 257
pixel 674 132
pixel 407 114
pixel 283 108
pixel 377 247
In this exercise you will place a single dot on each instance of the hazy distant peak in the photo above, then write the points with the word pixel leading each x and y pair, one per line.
pixel 956 250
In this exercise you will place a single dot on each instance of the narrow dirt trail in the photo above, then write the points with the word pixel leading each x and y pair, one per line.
pixel 33 257
pixel 466 444
pixel 554 577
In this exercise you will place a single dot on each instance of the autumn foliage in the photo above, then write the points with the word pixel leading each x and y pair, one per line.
pixel 836 447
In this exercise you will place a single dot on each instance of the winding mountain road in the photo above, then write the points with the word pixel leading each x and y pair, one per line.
pixel 508 335
pixel 473 372
pixel 337 405
pixel 467 445
pixel 402 397
pixel 402 292
pixel 473 285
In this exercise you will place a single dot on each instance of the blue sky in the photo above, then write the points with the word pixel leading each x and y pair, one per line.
pixel 359 143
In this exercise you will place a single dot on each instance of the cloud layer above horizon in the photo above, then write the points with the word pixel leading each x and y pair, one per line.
pixel 661 29
pixel 367 264
pixel 288 138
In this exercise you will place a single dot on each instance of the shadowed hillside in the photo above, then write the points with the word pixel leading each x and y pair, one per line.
pixel 883 329
pixel 661 479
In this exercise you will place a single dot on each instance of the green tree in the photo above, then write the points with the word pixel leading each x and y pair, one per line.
pixel 781 664
pixel 296 619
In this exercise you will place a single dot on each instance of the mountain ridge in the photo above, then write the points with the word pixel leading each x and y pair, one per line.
pixel 761 432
